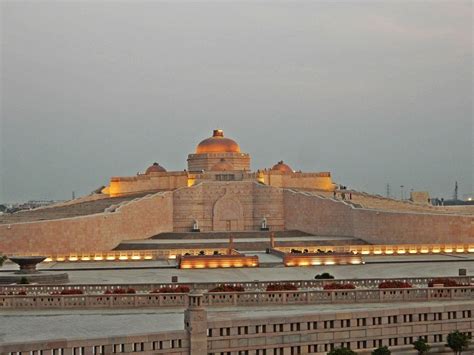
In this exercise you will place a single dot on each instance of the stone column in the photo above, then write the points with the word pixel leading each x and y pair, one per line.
pixel 195 323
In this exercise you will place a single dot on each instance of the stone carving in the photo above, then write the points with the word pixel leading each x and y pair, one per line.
pixel 263 225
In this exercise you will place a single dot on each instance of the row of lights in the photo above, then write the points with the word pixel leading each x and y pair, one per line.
pixel 399 251
pixel 326 262
pixel 100 258
pixel 214 265
pixel 434 250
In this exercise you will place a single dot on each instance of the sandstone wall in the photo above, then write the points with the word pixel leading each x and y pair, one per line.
pixel 205 161
pixel 405 228
pixel 321 216
pixel 320 181
pixel 325 216
pixel 99 232
pixel 243 203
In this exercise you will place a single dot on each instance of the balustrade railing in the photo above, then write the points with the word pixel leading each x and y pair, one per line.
pixel 249 298
pixel 36 289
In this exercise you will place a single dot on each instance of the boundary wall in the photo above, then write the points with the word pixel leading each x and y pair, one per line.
pixel 136 219
pixel 326 216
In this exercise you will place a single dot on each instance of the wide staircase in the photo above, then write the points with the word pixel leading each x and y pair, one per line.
pixel 244 240
pixel 67 210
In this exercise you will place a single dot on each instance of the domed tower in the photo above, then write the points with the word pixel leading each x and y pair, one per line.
pixel 218 153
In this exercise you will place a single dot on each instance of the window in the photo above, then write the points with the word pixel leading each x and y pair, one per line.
pixel 328 324
pixel 295 327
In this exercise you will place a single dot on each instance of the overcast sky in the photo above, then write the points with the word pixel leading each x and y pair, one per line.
pixel 375 92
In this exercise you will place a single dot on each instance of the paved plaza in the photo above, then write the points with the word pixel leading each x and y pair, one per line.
pixel 161 271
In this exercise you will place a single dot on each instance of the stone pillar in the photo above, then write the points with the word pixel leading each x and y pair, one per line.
pixel 231 245
pixel 272 240
pixel 195 323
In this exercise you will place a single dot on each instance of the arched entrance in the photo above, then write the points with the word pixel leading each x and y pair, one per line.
pixel 227 215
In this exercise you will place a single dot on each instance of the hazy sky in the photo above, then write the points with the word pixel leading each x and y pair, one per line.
pixel 375 92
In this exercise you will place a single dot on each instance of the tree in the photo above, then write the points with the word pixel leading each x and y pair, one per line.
pixel 341 351
pixel 458 342
pixel 324 276
pixel 421 346
pixel 383 350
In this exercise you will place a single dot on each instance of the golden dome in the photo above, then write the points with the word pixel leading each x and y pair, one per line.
pixel 217 144
pixel 280 166
pixel 155 168
pixel 222 166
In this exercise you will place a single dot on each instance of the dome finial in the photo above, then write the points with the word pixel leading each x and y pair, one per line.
pixel 218 133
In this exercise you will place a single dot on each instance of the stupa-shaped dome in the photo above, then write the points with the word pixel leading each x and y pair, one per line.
pixel 222 166
pixel 155 168
pixel 280 166
pixel 217 144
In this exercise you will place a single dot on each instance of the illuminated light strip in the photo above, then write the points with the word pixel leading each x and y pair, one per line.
pixel 459 250
pixel 401 251
pixel 436 250
pixel 73 258
pixel 85 258
pixel 98 258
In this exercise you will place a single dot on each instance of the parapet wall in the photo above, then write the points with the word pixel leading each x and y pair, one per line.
pixel 325 216
pixel 136 219
pixel 146 182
